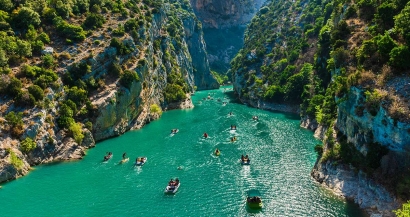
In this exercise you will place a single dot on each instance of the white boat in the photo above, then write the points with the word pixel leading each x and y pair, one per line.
pixel 141 162
pixel 172 188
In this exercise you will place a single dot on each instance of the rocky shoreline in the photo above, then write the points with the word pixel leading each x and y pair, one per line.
pixel 349 182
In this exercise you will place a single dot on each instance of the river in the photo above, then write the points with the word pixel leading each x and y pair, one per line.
pixel 281 156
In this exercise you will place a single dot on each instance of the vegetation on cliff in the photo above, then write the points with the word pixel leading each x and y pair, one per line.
pixel 57 56
pixel 313 53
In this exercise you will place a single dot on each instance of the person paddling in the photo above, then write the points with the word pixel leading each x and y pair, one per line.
pixel 124 155
pixel 205 135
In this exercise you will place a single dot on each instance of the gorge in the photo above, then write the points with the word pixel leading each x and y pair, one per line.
pixel 117 65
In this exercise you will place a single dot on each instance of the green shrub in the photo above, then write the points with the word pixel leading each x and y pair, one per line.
pixel 37 46
pixel 15 161
pixel 404 211
pixel 314 102
pixel 274 93
pixel 131 24
pixel 174 93
pixel 14 119
pixel 69 31
pixel 367 49
pixel 77 95
pixel 122 48
pixel 319 149
pixel 65 122
pixel 128 77
pixel 94 21
pixel 402 22
pixel 25 17
pixel 373 100
pixel 36 91
pixel 154 108
pixel 399 57
pixel 89 125
pixel 220 78
pixel 120 31
pixel 44 38
pixel 76 130
pixel 367 9
pixel 27 145
pixel 48 60
pixel 114 69
pixel 385 45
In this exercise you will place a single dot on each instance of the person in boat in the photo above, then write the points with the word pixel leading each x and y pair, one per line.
pixel 247 159
pixel 233 139
pixel 206 135
pixel 217 151
pixel 171 182
pixel 230 113
pixel 176 181
pixel 242 158
pixel 108 156
pixel 124 155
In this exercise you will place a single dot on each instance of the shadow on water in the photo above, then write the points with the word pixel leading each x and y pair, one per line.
pixel 291 116
pixel 353 209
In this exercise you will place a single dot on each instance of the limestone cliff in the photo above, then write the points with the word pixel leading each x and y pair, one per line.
pixel 166 58
pixel 222 14
pixel 325 58
pixel 224 26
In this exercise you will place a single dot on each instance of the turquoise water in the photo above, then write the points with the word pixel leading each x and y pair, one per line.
pixel 281 156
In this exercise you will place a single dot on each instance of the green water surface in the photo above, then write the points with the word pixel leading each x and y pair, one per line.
pixel 281 156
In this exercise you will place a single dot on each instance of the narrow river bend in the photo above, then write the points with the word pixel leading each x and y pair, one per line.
pixel 281 156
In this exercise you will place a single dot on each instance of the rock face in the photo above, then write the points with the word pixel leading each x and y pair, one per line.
pixel 116 108
pixel 367 128
pixel 224 26
pixel 371 192
pixel 356 186
pixel 121 109
pixel 222 14
pixel 197 49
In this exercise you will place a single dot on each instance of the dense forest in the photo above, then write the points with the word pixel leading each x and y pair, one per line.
pixel 314 53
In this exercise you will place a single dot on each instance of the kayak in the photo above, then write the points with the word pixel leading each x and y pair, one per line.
pixel 124 160
pixel 172 189
pixel 142 162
